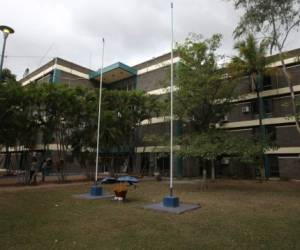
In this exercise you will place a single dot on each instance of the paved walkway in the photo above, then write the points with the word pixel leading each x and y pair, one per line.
pixel 42 186
pixel 17 180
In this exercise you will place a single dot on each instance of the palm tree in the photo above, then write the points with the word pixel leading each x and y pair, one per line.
pixel 251 61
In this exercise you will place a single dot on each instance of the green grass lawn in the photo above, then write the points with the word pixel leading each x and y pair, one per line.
pixel 234 215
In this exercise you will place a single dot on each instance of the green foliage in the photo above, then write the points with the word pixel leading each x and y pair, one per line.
pixel 215 143
pixel 8 76
pixel 251 59
pixel 274 19
pixel 251 62
pixel 123 112
pixel 11 109
pixel 17 115
pixel 203 97
pixel 68 117
pixel 204 93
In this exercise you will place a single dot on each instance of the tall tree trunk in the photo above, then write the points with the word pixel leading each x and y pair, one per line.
pixel 213 175
pixel 262 171
pixel 292 93
pixel 204 177
pixel 6 160
pixel 257 90
pixel 260 118
pixel 112 166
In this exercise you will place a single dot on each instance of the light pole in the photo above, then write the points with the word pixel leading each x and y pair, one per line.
pixel 6 31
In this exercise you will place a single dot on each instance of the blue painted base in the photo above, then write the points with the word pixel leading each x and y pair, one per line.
pixel 96 191
pixel 171 201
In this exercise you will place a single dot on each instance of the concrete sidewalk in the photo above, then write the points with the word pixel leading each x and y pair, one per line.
pixel 15 188
pixel 18 180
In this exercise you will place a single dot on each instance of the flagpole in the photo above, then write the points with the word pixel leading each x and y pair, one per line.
pixel 171 92
pixel 99 112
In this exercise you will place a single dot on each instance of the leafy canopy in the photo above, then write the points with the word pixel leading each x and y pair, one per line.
pixel 251 58
pixel 274 19
pixel 204 93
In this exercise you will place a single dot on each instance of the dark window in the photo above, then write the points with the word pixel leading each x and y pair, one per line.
pixel 269 131
pixel 274 167
pixel 267 83
pixel 267 106
pixel 256 132
pixel 255 105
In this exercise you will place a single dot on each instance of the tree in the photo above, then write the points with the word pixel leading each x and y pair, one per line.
pixel 127 110
pixel 18 127
pixel 10 112
pixel 8 76
pixel 121 113
pixel 54 109
pixel 204 94
pixel 216 143
pixel 251 61
pixel 67 116
pixel 82 138
pixel 203 98
pixel 275 20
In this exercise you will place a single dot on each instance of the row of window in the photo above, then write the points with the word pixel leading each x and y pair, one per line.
pixel 266 84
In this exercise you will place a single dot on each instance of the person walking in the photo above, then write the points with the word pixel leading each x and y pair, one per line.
pixel 60 164
pixel 204 181
pixel 44 169
pixel 33 171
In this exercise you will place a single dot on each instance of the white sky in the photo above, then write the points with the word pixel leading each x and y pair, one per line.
pixel 135 30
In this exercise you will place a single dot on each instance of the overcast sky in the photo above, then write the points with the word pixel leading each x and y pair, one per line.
pixel 135 30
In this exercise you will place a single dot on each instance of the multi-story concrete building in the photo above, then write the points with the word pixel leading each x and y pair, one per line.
pixel 150 76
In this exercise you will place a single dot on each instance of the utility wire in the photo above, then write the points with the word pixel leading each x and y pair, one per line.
pixel 44 56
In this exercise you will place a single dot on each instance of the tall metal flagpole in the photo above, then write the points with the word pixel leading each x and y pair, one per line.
pixel 171 92
pixel 99 111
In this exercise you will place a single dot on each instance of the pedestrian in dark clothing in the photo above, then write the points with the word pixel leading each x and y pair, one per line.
pixel 33 171
pixel 60 170
pixel 45 168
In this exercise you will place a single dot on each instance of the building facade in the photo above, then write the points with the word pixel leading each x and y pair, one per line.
pixel 152 76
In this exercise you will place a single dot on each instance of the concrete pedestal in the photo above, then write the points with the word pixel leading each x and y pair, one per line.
pixel 96 193
pixel 182 208
pixel 172 205
pixel 88 196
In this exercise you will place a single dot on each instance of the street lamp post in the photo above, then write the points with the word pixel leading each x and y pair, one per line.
pixel 6 31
